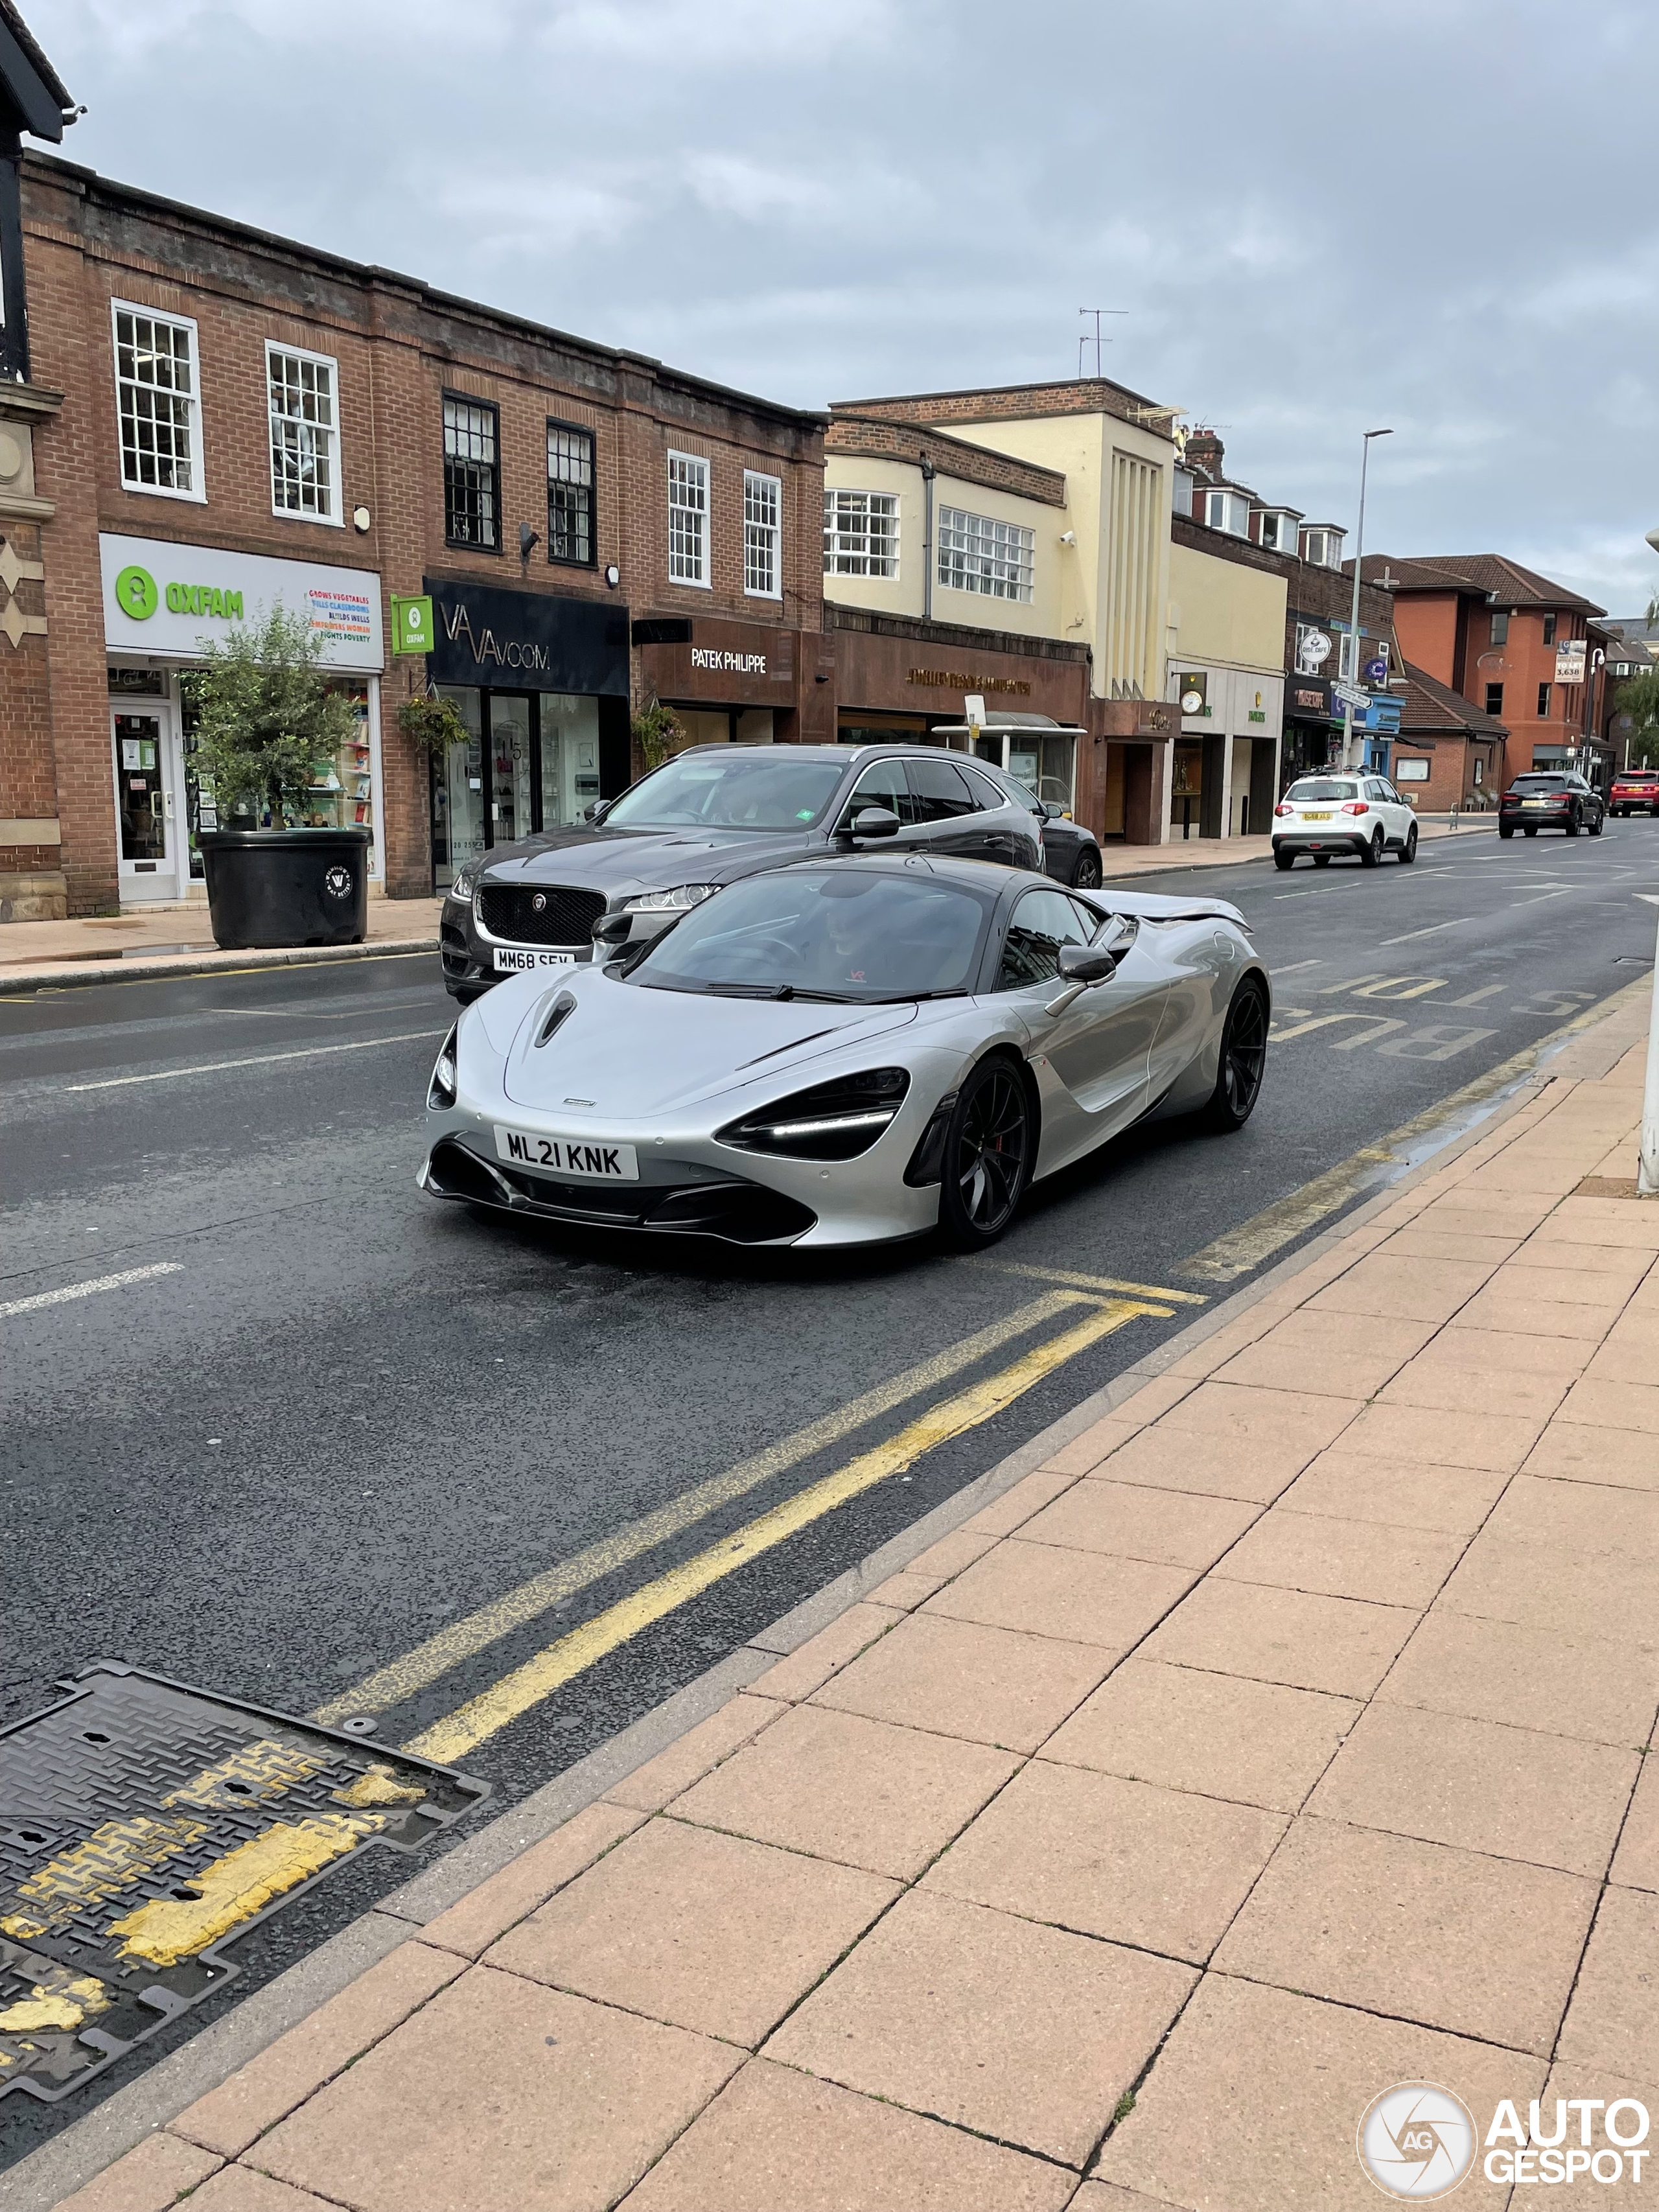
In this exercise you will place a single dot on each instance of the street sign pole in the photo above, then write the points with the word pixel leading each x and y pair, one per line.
pixel 1350 758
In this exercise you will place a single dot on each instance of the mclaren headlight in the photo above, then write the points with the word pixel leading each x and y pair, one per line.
pixel 675 902
pixel 834 1121
pixel 440 1092
pixel 462 886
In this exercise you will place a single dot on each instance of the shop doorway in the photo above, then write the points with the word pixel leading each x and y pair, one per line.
pixel 530 762
pixel 149 821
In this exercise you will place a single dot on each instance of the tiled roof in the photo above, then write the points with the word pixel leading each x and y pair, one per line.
pixel 1494 575
pixel 1433 706
pixel 37 61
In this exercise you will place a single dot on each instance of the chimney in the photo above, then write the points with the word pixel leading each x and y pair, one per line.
pixel 1204 451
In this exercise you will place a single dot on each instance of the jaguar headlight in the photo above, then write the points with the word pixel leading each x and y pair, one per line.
pixel 675 902
pixel 440 1092
pixel 462 886
pixel 834 1121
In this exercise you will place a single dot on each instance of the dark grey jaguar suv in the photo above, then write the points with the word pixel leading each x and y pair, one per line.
pixel 704 819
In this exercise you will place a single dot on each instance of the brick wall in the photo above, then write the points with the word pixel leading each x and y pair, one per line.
pixel 1087 395
pixel 398 347
pixel 954 457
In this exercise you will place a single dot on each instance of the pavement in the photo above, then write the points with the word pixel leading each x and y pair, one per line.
pixel 178 940
pixel 1276 1738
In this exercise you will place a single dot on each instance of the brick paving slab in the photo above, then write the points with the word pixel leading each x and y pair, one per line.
pixel 1280 1739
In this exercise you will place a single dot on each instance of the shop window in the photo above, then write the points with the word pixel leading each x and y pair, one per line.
pixel 687 520
pixel 763 509
pixel 1494 698
pixel 861 534
pixel 1500 629
pixel 472 483
pixel 979 554
pixel 157 403
pixel 1543 701
pixel 570 532
pixel 305 465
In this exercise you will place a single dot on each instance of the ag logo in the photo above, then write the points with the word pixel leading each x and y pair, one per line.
pixel 337 882
pixel 1417 2142
pixel 136 593
pixel 539 904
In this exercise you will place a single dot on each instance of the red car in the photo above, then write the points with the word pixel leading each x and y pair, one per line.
pixel 1636 792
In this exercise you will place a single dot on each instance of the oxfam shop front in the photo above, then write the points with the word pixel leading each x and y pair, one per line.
pixel 162 604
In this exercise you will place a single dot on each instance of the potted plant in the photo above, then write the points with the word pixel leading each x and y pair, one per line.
pixel 268 730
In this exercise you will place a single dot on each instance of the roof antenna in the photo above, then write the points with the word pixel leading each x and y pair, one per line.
pixel 1084 339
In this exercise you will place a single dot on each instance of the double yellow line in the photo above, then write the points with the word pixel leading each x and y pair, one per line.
pixel 1111 1306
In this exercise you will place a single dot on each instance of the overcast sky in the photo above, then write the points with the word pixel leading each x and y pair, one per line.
pixel 1436 215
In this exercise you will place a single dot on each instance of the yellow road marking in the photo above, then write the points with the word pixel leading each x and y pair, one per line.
pixel 463 1639
pixel 111 1859
pixel 265 1768
pixel 241 1884
pixel 64 2002
pixel 1255 1240
pixel 1104 1282
pixel 461 1731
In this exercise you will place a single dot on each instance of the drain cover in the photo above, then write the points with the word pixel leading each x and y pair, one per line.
pixel 143 1825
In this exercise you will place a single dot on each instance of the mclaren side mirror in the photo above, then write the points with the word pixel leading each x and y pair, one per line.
pixel 612 928
pixel 1090 963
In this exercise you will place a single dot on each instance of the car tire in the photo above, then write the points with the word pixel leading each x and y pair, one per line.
pixel 1282 858
pixel 1370 854
pixel 1408 850
pixel 1573 825
pixel 989 1149
pixel 1241 1062
pixel 1505 830
pixel 1086 876
pixel 1595 826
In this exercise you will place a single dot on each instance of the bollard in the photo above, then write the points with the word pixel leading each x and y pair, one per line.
pixel 1647 1180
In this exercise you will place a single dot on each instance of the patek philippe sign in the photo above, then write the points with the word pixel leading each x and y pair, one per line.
pixel 527 641
pixel 693 658
pixel 168 600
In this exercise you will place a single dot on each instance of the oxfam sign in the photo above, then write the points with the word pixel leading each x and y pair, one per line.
pixel 138 594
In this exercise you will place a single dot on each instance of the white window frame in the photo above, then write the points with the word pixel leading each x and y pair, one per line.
pixel 197 495
pixel 335 517
pixel 697 472
pixel 759 534
pixel 987 556
pixel 1227 511
pixel 847 537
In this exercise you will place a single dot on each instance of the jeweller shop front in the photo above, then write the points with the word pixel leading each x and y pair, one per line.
pixel 540 684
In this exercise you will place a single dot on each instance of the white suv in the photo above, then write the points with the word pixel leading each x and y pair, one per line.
pixel 1342 812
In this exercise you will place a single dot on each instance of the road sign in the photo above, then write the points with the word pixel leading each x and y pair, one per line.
pixel 1351 696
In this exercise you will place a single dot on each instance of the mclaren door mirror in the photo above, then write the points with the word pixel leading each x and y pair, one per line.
pixel 613 928
pixel 1089 963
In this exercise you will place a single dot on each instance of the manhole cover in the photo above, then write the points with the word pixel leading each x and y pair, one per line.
pixel 142 1825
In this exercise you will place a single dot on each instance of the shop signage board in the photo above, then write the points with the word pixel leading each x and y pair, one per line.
pixel 411 625
pixel 527 641
pixel 167 600
pixel 1376 671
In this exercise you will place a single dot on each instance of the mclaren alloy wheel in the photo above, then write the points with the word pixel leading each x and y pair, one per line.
pixel 988 1150
pixel 1243 1060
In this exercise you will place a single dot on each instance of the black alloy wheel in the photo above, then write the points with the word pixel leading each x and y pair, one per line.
pixel 1408 850
pixel 1243 1060
pixel 1087 874
pixel 1371 854
pixel 987 1155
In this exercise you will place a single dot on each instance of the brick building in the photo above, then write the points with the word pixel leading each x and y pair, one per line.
pixel 1511 642
pixel 1449 753
pixel 224 420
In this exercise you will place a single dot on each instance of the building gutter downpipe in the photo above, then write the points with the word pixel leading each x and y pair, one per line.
pixel 927 541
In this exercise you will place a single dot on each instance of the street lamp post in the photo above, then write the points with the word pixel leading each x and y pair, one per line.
pixel 1350 757
pixel 1647 1174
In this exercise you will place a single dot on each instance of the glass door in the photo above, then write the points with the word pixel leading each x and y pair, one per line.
pixel 457 799
pixel 570 758
pixel 509 767
pixel 147 824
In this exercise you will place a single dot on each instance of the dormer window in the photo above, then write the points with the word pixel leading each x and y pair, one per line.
pixel 1321 545
pixel 1228 511
pixel 1277 529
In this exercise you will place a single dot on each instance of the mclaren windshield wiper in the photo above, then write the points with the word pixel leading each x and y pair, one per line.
pixel 916 998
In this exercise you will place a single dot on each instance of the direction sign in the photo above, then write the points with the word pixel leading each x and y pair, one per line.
pixel 1351 696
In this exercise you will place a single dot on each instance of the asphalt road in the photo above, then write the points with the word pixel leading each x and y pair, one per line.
pixel 333 1418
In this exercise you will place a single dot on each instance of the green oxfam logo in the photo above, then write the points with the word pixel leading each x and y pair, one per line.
pixel 136 593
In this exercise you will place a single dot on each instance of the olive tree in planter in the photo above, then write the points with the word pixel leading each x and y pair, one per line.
pixel 267 728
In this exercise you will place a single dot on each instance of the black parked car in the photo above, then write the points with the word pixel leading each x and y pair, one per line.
pixel 1551 799
pixel 705 818
pixel 1071 854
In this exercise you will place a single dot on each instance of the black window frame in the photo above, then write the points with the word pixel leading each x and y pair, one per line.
pixel 1544 692
pixel 558 424
pixel 484 406
pixel 1549 629
pixel 1500 627
pixel 1495 699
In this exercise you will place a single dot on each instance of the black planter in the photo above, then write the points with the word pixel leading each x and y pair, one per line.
pixel 270 887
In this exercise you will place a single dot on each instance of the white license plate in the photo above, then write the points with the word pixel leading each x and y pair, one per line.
pixel 1315 817
pixel 509 961
pixel 1534 802
pixel 566 1156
